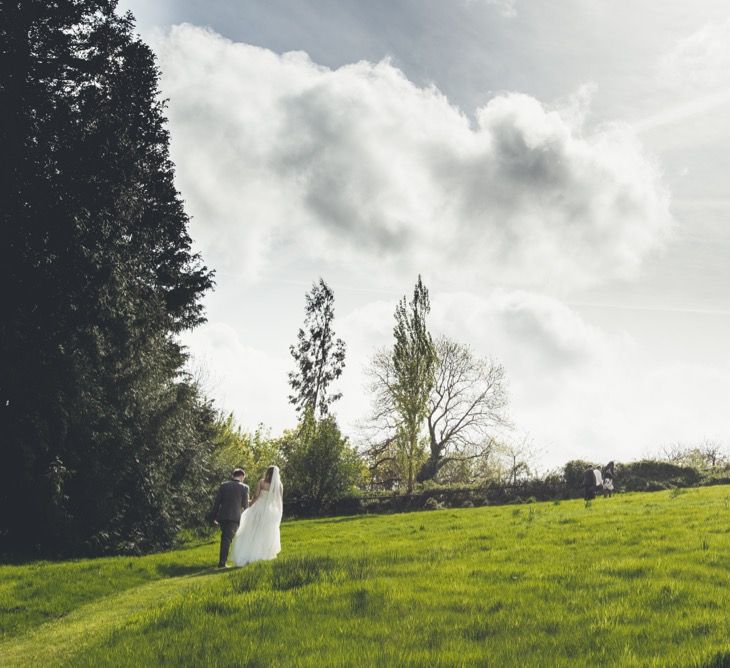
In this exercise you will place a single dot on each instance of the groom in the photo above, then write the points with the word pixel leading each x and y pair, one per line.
pixel 230 502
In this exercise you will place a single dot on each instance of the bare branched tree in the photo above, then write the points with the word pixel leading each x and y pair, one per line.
pixel 467 404
pixel 518 458
pixel 714 455
pixel 383 463
pixel 708 454
pixel 466 410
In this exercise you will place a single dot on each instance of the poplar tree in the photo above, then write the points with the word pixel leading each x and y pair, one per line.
pixel 413 367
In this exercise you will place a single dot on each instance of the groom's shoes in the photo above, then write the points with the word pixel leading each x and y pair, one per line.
pixel 222 566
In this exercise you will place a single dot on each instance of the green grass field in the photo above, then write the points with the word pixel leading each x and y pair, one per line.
pixel 637 580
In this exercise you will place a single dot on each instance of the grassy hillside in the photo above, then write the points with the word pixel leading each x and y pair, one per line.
pixel 637 580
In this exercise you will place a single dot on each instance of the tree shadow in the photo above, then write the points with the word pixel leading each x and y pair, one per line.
pixel 340 520
pixel 214 570
pixel 178 570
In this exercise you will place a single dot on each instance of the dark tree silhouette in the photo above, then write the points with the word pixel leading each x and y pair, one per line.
pixel 104 440
pixel 319 356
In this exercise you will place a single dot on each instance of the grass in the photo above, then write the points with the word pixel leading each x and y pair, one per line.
pixel 637 580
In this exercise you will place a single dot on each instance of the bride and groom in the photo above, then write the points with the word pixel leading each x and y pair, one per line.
pixel 252 529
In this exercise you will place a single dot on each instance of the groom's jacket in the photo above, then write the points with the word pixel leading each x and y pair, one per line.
pixel 230 502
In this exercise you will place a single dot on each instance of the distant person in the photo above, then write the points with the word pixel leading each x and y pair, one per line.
pixel 258 537
pixel 598 478
pixel 608 476
pixel 230 502
pixel 589 484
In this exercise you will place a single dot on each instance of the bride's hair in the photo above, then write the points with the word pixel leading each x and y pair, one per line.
pixel 270 473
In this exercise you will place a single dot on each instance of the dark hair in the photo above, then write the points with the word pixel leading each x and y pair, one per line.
pixel 239 473
pixel 270 473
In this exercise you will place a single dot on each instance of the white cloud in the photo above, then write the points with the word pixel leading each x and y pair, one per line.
pixel 249 382
pixel 280 159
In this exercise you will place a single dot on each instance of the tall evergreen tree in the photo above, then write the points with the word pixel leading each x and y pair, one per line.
pixel 319 356
pixel 104 441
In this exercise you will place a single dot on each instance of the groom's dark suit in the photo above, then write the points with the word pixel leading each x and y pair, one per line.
pixel 230 502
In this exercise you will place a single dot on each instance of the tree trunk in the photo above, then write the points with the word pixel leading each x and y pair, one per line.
pixel 430 468
pixel 434 462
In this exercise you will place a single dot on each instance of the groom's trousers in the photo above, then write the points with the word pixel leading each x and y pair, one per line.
pixel 228 530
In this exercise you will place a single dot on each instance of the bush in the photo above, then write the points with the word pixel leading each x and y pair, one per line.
pixel 657 471
pixel 254 453
pixel 573 475
pixel 321 467
pixel 652 476
pixel 432 504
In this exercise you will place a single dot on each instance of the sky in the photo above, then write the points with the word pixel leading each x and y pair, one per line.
pixel 556 172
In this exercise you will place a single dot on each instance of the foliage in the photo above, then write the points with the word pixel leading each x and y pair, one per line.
pixel 573 475
pixel 106 444
pixel 320 358
pixel 254 453
pixel 321 466
pixel 635 581
pixel 651 475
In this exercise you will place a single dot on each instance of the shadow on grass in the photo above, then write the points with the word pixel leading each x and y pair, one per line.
pixel 214 570
pixel 720 660
pixel 341 520
pixel 30 558
pixel 178 570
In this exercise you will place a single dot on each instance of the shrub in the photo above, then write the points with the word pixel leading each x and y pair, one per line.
pixel 658 472
pixel 321 467
pixel 432 504
pixel 573 474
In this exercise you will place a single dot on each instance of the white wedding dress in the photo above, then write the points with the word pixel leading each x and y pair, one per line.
pixel 257 537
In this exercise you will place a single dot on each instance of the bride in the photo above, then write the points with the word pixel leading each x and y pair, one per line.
pixel 258 533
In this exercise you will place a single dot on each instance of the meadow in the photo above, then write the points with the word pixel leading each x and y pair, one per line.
pixel 636 580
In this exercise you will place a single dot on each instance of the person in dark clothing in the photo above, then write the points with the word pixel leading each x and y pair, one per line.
pixel 230 502
pixel 589 484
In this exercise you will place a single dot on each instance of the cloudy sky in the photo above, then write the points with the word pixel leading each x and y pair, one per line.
pixel 557 172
